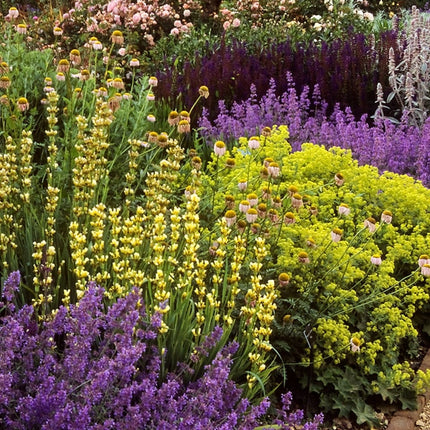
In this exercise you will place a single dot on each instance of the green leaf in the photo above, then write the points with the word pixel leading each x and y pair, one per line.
pixel 365 413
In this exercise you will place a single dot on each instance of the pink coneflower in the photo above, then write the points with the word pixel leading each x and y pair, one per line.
pixel 339 179
pixel 134 62
pixel 370 224
pixel 289 218
pixel 424 259
pixel 274 170
pixel 344 209
pixel 230 218
pixel 252 199
pixel 296 201
pixel 60 76
pixel 21 28
pixel 219 148
pixel 117 37
pixel 22 104
pixel 204 91
pixel 376 260
pixel 173 118
pixel 244 206
pixel 5 82
pixel 184 126
pixel 254 142
pixel 355 344
pixel 242 185
pixel 425 270
pixel 304 257
pixel 284 279
pixel 153 81
pixel 13 13
pixel 58 31
pixel 336 234
pixel 386 217
pixel 251 215
pixel 75 57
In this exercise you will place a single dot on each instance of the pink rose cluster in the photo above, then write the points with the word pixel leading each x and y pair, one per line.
pixel 143 15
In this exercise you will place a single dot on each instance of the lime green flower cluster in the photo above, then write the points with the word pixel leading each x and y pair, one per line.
pixel 351 246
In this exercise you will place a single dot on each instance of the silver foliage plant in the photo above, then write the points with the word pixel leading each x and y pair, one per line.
pixel 410 78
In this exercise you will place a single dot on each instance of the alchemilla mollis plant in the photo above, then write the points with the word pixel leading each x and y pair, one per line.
pixel 350 259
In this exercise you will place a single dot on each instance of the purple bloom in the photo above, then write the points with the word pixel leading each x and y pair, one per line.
pixel 99 369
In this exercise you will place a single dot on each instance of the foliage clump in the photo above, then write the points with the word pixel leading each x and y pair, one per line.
pixel 346 248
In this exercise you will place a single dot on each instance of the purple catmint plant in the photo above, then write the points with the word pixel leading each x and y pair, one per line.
pixel 96 366
pixel 399 148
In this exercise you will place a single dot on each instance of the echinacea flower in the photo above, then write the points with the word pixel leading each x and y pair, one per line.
pixel 339 179
pixel 63 65
pixel 336 234
pixel 267 161
pixel 5 82
pixel 153 81
pixel 75 57
pixel 425 270
pixel 134 62
pixel 251 215
pixel 84 75
pixel 21 28
pixel 242 184
pixel 254 142
pixel 244 206
pixel 117 37
pixel 370 224
pixel 289 218
pixel 58 31
pixel 230 218
pixel 344 209
pixel 284 279
pixel 22 104
pixel 274 169
pixel 304 257
pixel 355 344
pixel 204 91
pixel 229 201
pixel 219 148
pixel 424 259
pixel 376 259
pixel 296 201
pixel 230 163
pixel 266 132
pixel 173 118
pixel 252 199
pixel 13 13
pixel 386 217
pixel 118 83
pixel 184 126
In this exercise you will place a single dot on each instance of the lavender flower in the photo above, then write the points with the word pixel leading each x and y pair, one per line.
pixel 10 287
pixel 100 369
pixel 399 148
